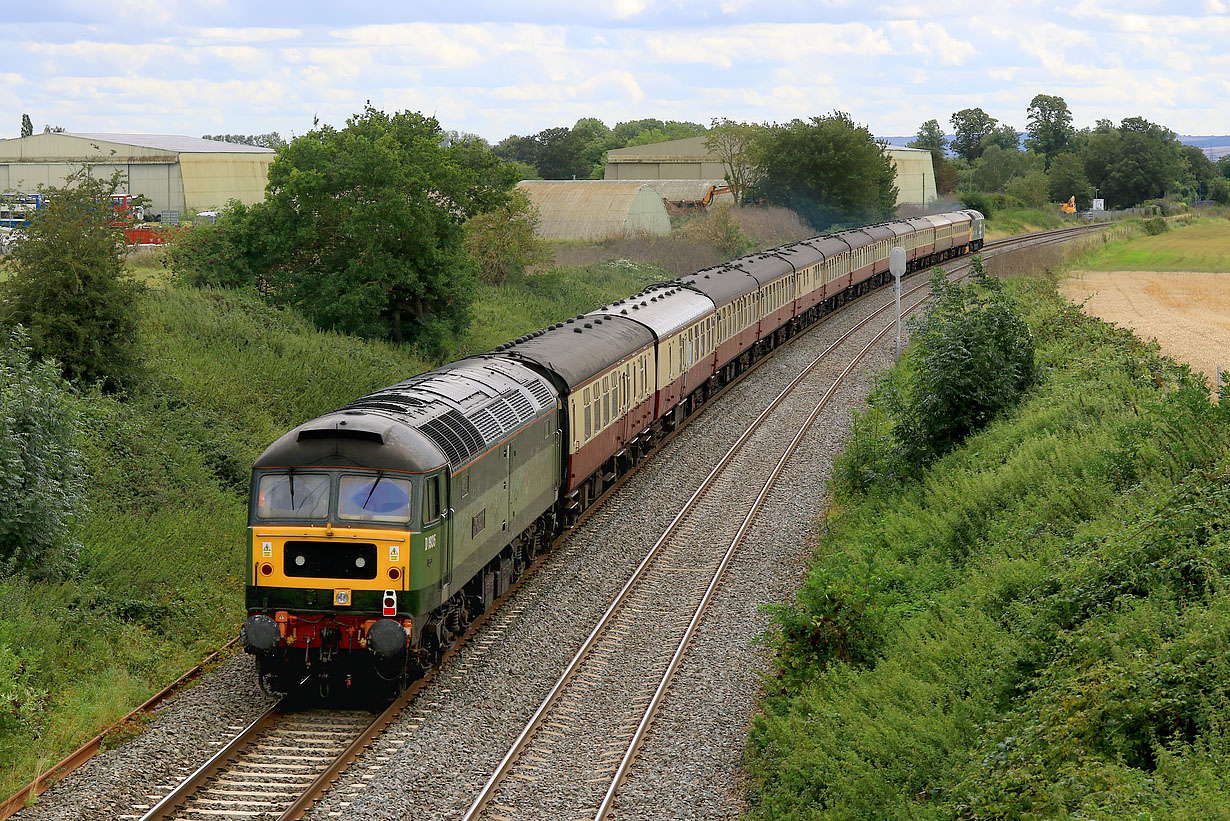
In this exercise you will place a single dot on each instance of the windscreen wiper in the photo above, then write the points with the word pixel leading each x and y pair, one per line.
pixel 379 476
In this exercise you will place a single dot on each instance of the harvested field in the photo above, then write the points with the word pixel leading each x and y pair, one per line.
pixel 1187 312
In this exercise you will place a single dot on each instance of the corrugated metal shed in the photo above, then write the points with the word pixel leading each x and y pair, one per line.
pixel 691 159
pixel 691 193
pixel 596 209
pixel 185 174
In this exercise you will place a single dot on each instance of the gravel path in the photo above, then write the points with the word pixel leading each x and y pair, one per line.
pixel 436 756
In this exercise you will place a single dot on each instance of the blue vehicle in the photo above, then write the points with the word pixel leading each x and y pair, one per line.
pixel 15 209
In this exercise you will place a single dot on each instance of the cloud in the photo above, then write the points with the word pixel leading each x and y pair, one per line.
pixel 497 68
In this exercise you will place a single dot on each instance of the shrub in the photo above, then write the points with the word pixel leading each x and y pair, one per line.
pixel 69 288
pixel 718 227
pixel 41 486
pixel 217 254
pixel 978 201
pixel 971 357
pixel 502 241
pixel 1155 226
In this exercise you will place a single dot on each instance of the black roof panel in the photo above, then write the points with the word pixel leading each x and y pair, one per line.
pixel 576 350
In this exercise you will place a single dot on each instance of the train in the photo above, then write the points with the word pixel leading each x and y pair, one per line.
pixel 379 531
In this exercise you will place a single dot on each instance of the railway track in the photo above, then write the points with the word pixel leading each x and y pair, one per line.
pixel 230 785
pixel 581 742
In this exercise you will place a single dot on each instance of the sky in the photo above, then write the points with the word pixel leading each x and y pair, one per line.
pixel 496 67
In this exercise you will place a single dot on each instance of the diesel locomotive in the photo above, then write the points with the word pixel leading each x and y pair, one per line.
pixel 380 530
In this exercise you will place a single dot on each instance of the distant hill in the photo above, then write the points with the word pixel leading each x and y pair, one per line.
pixel 1213 147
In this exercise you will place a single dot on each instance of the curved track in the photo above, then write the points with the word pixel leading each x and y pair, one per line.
pixel 282 763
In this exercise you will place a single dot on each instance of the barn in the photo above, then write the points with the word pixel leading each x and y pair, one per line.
pixel 691 159
pixel 596 209
pixel 180 174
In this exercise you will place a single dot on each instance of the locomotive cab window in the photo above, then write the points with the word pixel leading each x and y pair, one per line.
pixel 293 496
pixel 431 499
pixel 374 499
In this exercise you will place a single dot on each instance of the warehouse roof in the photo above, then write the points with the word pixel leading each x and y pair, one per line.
pixel 173 142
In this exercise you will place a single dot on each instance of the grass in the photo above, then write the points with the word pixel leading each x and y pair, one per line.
pixel 1036 626
pixel 528 302
pixel 1009 223
pixel 1198 246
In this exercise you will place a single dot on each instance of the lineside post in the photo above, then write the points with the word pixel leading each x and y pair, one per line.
pixel 896 266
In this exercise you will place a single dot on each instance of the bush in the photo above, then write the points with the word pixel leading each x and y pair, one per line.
pixel 978 201
pixel 971 357
pixel 718 227
pixel 502 241
pixel 41 484
pixel 1155 226
pixel 69 288
pixel 217 254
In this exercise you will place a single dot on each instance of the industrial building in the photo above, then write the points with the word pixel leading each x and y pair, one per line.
pixel 691 159
pixel 596 209
pixel 180 174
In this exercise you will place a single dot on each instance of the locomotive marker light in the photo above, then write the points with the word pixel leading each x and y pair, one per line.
pixel 896 266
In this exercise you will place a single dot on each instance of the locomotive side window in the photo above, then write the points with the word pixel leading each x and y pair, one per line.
pixel 293 496
pixel 431 499
pixel 374 499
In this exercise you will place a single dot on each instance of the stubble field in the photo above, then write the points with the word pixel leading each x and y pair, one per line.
pixel 1187 309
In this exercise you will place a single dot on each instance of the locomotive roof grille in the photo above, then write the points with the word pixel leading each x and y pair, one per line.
pixel 456 437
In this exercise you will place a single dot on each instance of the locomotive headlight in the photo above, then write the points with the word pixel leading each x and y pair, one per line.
pixel 341 598
pixel 300 560
pixel 360 561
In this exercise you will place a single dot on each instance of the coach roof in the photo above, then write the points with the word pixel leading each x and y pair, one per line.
pixel 578 349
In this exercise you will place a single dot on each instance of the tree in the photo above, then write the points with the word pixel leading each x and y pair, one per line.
pixel 1032 188
pixel 1148 164
pixel 1049 128
pixel 828 170
pixel 41 475
pixel 560 155
pixel 970 127
pixel 361 227
pixel 68 285
pixel 998 166
pixel 1067 179
pixel 1200 169
pixel 597 139
pixel 1223 165
pixel 930 137
pixel 271 140
pixel 503 241
pixel 1004 136
pixel 735 145
pixel 27 127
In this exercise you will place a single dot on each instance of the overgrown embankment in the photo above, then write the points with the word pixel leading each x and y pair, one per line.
pixel 1034 625
pixel 159 581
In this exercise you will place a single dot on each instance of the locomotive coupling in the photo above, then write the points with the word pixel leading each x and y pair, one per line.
pixel 386 638
pixel 259 634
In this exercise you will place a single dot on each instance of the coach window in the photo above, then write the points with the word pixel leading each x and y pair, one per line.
pixel 588 426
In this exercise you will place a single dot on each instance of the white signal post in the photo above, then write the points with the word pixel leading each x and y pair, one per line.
pixel 896 266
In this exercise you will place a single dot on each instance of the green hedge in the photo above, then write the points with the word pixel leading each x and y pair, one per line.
pixel 1037 627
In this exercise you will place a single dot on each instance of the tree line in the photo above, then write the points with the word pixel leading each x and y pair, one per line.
pixel 1126 164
